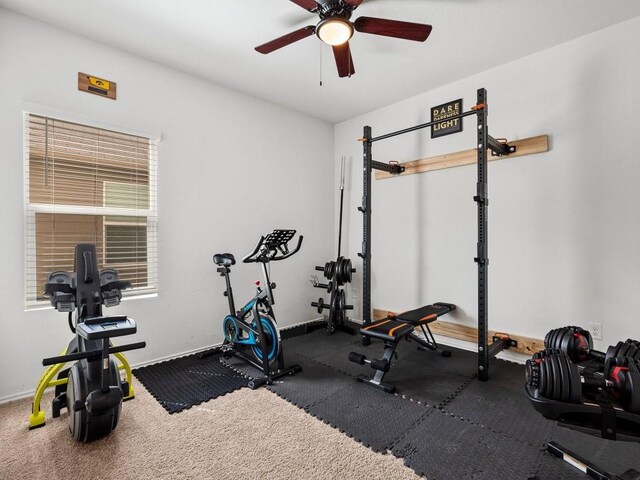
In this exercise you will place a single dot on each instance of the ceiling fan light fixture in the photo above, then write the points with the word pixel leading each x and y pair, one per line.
pixel 334 30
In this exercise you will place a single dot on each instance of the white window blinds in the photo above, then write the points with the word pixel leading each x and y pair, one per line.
pixel 89 185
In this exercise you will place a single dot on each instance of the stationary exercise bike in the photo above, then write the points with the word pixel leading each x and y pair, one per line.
pixel 253 328
pixel 91 390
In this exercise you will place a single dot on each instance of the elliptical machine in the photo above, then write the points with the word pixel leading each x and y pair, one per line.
pixel 242 329
pixel 91 390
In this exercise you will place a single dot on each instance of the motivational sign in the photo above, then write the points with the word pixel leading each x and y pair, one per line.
pixel 442 114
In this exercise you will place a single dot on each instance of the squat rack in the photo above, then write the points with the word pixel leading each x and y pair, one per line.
pixel 484 142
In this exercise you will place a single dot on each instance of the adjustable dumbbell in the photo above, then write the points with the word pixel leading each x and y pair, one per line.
pixel 555 377
pixel 376 363
pixel 578 345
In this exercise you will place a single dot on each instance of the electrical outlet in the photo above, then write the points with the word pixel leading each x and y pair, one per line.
pixel 596 330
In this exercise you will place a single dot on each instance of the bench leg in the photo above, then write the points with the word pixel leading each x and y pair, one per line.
pixel 429 342
pixel 376 381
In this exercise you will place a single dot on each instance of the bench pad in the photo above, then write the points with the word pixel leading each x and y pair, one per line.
pixel 393 329
pixel 426 314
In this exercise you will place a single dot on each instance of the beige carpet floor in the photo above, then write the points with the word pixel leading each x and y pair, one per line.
pixel 248 434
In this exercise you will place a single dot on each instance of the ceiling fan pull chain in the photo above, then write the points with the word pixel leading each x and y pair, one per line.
pixel 320 63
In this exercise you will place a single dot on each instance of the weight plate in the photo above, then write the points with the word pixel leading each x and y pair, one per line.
pixel 561 335
pixel 632 391
pixel 348 275
pixel 624 349
pixel 545 377
pixel 542 379
pixel 555 340
pixel 343 306
pixel 566 343
pixel 339 265
pixel 548 338
pixel 556 388
pixel 611 351
pixel 565 381
pixel 633 351
pixel 528 372
pixel 321 305
pixel 576 383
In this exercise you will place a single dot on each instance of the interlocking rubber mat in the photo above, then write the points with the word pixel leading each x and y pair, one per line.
pixel 444 423
pixel 442 446
pixel 183 382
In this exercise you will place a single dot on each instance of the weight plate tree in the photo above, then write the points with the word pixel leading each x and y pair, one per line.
pixel 339 273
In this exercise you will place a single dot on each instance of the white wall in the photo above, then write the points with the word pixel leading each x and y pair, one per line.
pixel 231 167
pixel 564 226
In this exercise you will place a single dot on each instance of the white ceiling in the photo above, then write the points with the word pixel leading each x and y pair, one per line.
pixel 214 39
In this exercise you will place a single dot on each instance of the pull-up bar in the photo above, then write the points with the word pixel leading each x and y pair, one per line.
pixel 484 142
pixel 425 125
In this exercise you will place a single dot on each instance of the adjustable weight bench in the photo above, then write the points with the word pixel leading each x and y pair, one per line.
pixel 392 330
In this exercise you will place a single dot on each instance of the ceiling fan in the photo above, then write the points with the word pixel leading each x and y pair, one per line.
pixel 336 29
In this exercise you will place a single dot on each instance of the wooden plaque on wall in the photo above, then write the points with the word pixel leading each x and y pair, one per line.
pixel 97 86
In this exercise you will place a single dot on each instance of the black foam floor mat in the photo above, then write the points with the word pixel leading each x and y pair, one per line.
pixel 183 382
pixel 501 405
pixel 319 343
pixel 446 424
pixel 424 376
pixel 460 429
pixel 240 366
pixel 315 383
pixel 371 416
pixel 443 447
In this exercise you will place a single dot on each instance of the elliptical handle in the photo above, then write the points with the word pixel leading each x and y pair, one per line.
pixel 275 259
pixel 247 258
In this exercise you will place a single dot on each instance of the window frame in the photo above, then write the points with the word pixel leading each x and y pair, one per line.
pixel 31 209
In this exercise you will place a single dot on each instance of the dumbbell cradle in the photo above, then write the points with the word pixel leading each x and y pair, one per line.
pixel 557 378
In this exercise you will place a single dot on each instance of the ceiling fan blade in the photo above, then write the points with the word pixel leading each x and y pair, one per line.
pixel 353 3
pixel 310 5
pixel 417 32
pixel 285 40
pixel 344 60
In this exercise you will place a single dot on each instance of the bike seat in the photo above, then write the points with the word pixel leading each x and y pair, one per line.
pixel 224 259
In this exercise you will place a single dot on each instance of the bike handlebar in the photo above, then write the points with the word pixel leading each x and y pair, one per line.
pixel 266 252
pixel 287 255
pixel 247 258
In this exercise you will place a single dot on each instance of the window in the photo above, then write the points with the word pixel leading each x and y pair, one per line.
pixel 88 185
